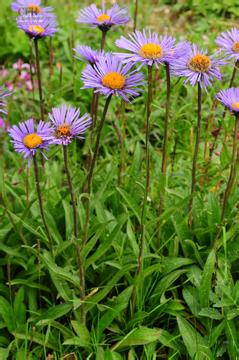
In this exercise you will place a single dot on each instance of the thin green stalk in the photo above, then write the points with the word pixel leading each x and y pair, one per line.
pixel 223 115
pixel 40 201
pixel 233 170
pixel 38 71
pixel 103 40
pixel 72 193
pixel 165 139
pixel 75 221
pixel 195 155
pixel 92 167
pixel 146 191
pixel 136 7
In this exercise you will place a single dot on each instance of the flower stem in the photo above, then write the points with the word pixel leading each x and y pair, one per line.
pixel 232 176
pixel 165 139
pixel 38 70
pixel 146 191
pixel 223 115
pixel 41 203
pixel 103 40
pixel 77 246
pixel 136 7
pixel 195 155
pixel 72 194
pixel 92 166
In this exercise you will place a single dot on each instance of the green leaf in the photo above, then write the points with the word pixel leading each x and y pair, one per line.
pixel 206 282
pixel 196 345
pixel 119 304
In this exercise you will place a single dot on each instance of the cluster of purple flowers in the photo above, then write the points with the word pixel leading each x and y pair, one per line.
pixel 35 20
pixel 65 124
pixel 116 74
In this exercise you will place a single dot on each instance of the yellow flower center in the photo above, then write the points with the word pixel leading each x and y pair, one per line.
pixel 36 28
pixel 199 63
pixel 34 9
pixel 64 130
pixel 235 105
pixel 31 141
pixel 102 18
pixel 236 47
pixel 151 51
pixel 113 80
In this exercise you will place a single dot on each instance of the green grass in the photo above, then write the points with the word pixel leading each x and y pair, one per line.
pixel 187 296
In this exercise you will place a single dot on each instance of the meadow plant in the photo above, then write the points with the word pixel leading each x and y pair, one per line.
pixel 182 310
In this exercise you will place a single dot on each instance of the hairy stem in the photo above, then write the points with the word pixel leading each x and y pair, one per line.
pixel 165 139
pixel 77 246
pixel 38 70
pixel 40 201
pixel 146 191
pixel 136 7
pixel 232 176
pixel 195 155
pixel 92 166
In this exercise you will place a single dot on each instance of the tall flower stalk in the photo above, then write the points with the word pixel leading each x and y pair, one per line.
pixel 165 139
pixel 75 222
pixel 39 79
pixel 68 125
pixel 92 167
pixel 195 154
pixel 230 99
pixel 40 201
pixel 136 7
pixel 147 185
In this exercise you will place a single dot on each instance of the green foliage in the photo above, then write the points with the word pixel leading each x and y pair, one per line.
pixel 184 304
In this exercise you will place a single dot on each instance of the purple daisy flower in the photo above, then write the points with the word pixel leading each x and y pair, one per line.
pixel 197 66
pixel 87 54
pixel 37 26
pixel 102 18
pixel 68 124
pixel 228 41
pixel 229 98
pixel 147 48
pixel 3 93
pixel 30 6
pixel 27 140
pixel 111 77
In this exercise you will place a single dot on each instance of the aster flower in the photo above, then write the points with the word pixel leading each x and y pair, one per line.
pixel 3 93
pixel 197 66
pixel 147 48
pixel 111 77
pixel 27 140
pixel 230 99
pixel 67 124
pixel 30 6
pixel 102 18
pixel 87 54
pixel 37 26
pixel 228 41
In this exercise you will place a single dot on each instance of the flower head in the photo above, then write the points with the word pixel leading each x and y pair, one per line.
pixel 146 48
pixel 228 41
pixel 3 93
pixel 111 77
pixel 30 7
pixel 197 66
pixel 102 18
pixel 37 26
pixel 230 99
pixel 67 124
pixel 27 140
pixel 87 54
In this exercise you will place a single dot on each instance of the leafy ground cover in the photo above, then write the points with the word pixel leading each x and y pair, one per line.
pixel 184 302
